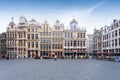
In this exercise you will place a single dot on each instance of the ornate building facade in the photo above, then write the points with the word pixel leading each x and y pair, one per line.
pixel 21 37
pixel 32 39
pixel 11 41
pixel 45 38
pixel 3 44
pixel 57 39
pixel 28 39
pixel 89 43
pixel 97 41
pixel 74 40
pixel 111 38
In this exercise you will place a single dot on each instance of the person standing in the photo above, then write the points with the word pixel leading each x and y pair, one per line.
pixel 55 57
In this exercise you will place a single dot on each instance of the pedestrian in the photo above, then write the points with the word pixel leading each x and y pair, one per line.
pixel 55 57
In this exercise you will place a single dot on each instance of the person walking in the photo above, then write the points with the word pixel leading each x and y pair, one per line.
pixel 55 57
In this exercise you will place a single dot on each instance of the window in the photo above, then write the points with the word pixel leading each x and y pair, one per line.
pixel 81 35
pixel 119 41
pixel 116 24
pixel 68 43
pixel 74 43
pixel 32 44
pixel 71 35
pixel 65 43
pixel 36 36
pixel 28 29
pixel 71 43
pixel 36 44
pixel 103 38
pixel 32 36
pixel 119 31
pixel 78 43
pixel 68 35
pixel 109 43
pixel 32 30
pixel 116 33
pixel 28 44
pixel 46 33
pixel 78 35
pixel 24 35
pixel 112 42
pixel 115 42
pixel 109 36
pixel 83 43
pixel 28 36
pixel 112 34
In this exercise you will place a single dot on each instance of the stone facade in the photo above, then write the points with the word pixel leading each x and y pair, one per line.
pixel 97 41
pixel 32 39
pixel 3 44
pixel 74 40
pixel 111 38
pixel 29 39
pixel 89 43
pixel 57 39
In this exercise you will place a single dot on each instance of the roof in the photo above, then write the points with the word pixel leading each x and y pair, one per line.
pixel 73 21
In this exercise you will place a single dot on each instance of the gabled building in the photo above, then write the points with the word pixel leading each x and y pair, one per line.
pixel 11 40
pixel 74 40
pixel 89 43
pixel 21 37
pixel 45 38
pixel 3 45
pixel 32 39
pixel 97 41
pixel 57 39
pixel 111 38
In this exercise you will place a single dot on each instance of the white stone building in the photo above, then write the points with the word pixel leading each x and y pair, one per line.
pixel 111 38
pixel 89 43
pixel 74 40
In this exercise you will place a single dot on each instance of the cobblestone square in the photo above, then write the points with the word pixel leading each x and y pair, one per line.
pixel 62 69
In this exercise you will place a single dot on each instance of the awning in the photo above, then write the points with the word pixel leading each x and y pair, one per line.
pixel 81 52
pixel 96 53
pixel 107 53
pixel 68 52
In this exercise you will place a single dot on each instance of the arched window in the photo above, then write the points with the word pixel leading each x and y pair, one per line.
pixel 74 43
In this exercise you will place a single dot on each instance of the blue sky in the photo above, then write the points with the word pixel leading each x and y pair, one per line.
pixel 88 13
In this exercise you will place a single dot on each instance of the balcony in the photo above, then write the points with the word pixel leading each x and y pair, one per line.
pixel 23 38
pixel 32 48
pixel 21 47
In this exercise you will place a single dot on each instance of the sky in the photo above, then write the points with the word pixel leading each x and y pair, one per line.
pixel 89 13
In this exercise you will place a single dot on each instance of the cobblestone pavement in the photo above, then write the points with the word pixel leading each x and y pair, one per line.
pixel 62 69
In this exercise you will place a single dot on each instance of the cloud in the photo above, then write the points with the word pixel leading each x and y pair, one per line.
pixel 94 7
